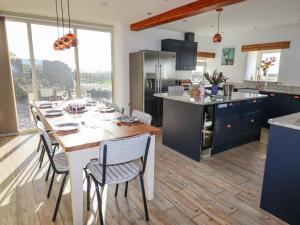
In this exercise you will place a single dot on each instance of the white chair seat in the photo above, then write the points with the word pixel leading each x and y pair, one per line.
pixel 115 174
pixel 61 162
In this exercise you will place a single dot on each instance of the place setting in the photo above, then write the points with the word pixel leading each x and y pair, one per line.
pixel 65 128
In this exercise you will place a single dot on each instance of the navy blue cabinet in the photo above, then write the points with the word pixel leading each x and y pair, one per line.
pixel 186 53
pixel 294 103
pixel 236 123
pixel 275 105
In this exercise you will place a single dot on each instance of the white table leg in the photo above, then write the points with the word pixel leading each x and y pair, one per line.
pixel 76 177
pixel 149 172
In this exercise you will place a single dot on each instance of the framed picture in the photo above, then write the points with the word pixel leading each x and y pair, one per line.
pixel 227 56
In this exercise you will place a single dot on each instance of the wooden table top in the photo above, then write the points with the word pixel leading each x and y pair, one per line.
pixel 95 127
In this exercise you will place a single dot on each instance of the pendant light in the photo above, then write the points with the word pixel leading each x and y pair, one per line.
pixel 67 40
pixel 70 38
pixel 218 37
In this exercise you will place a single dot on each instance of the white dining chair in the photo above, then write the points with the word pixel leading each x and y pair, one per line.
pixel 142 117
pixel 175 90
pixel 117 108
pixel 116 166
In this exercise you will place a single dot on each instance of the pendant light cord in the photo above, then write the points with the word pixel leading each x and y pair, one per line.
pixel 69 16
pixel 57 18
pixel 219 21
pixel 62 16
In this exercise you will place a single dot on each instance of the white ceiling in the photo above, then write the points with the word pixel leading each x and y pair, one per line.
pixel 95 11
pixel 248 15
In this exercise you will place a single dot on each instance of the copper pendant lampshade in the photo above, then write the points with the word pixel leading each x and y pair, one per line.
pixel 217 38
pixel 67 40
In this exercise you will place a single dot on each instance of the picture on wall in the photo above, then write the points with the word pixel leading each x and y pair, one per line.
pixel 227 56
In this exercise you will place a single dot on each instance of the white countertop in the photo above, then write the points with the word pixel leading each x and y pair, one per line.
pixel 290 121
pixel 236 96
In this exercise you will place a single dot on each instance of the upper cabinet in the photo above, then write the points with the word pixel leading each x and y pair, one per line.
pixel 186 53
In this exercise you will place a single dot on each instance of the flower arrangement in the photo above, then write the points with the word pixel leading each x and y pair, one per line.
pixel 216 78
pixel 266 64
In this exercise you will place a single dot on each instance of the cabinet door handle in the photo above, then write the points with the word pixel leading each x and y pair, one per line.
pixel 252 120
pixel 254 101
pixel 272 94
pixel 228 126
pixel 296 97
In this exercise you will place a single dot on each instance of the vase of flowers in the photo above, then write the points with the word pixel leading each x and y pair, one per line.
pixel 266 64
pixel 215 80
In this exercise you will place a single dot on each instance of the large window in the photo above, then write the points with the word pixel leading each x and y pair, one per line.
pixel 55 70
pixel 88 70
pixel 95 77
pixel 21 70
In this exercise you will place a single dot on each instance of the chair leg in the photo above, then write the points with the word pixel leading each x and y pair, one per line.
pixel 42 156
pixel 39 145
pixel 48 172
pixel 99 204
pixel 88 180
pixel 49 168
pixel 51 184
pixel 116 190
pixel 126 189
pixel 144 197
pixel 59 197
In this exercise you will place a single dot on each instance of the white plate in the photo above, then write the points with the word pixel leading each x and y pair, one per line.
pixel 107 109
pixel 53 112
pixel 68 126
pixel 45 105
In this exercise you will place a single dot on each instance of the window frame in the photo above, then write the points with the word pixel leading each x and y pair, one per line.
pixel 258 69
pixel 75 27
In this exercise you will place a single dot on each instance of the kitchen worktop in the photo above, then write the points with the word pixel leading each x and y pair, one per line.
pixel 290 121
pixel 208 100
pixel 282 91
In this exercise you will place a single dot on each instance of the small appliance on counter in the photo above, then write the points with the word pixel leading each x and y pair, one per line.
pixel 185 83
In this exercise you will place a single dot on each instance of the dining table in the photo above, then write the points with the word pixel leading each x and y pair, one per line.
pixel 82 145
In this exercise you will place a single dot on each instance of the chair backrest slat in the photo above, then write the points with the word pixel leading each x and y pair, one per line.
pixel 141 116
pixel 125 149
pixel 175 90
pixel 46 141
pixel 118 108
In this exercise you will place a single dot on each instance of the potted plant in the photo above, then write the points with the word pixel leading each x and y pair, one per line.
pixel 215 80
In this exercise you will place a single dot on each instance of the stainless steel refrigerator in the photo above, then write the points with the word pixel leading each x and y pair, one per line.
pixel 150 72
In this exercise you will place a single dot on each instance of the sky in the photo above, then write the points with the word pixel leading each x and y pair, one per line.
pixel 94 47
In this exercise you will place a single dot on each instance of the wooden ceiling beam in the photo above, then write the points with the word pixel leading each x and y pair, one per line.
pixel 266 46
pixel 210 55
pixel 191 9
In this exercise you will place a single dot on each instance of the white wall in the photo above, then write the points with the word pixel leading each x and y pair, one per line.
pixel 290 58
pixel 126 41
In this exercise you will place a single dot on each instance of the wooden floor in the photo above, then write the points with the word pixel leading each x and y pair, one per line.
pixel 224 189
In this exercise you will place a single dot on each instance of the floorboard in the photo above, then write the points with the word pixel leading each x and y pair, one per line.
pixel 224 189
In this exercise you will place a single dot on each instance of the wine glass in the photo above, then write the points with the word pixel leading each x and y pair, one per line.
pixel 73 94
pixel 65 95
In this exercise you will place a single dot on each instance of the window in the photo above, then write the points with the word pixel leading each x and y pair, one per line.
pixel 201 68
pixel 274 70
pixel 21 71
pixel 95 77
pixel 55 70
pixel 31 44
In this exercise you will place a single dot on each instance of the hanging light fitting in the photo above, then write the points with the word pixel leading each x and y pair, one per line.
pixel 218 37
pixel 67 40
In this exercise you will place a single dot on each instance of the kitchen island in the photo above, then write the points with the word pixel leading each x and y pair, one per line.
pixel 281 183
pixel 193 124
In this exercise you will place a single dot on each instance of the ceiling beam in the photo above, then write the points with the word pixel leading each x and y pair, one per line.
pixel 266 46
pixel 191 9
